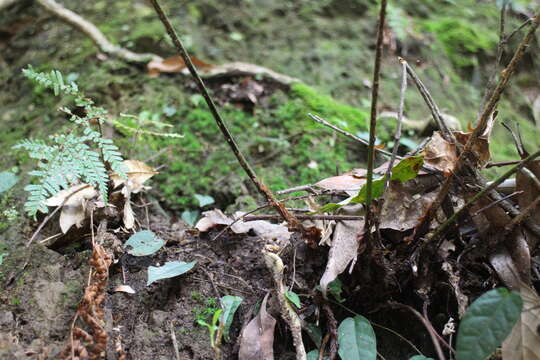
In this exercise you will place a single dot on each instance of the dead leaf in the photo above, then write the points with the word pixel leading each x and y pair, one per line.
pixel 173 65
pixel 137 174
pixel 342 183
pixel 402 209
pixel 440 154
pixel 530 189
pixel 73 210
pixel 264 229
pixel 480 148
pixel 523 343
pixel 124 288
pixel 129 217
pixel 257 338
pixel 345 244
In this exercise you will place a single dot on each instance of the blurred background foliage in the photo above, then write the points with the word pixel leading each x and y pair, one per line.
pixel 328 44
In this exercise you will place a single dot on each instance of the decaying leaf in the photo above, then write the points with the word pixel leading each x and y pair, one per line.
pixel 173 65
pixel 73 210
pixel 345 243
pixel 480 148
pixel 345 182
pixel 523 343
pixel 137 174
pixel 403 209
pixel 257 338
pixel 440 154
pixel 264 229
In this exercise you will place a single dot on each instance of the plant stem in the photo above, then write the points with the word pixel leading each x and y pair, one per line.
pixel 484 191
pixel 373 119
pixel 287 216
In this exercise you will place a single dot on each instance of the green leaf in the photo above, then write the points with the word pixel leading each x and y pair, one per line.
pixel 293 298
pixel 169 270
pixel 335 289
pixel 190 216
pixel 230 304
pixel 356 339
pixel 204 200
pixel 313 355
pixel 7 180
pixel 2 258
pixel 420 357
pixel 407 169
pixel 487 322
pixel 143 243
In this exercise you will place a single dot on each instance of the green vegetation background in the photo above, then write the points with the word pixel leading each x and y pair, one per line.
pixel 327 44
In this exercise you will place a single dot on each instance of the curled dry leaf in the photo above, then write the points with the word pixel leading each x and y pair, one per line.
pixel 480 148
pixel 345 244
pixel 264 229
pixel 523 343
pixel 257 338
pixel 173 65
pixel 530 189
pixel 440 154
pixel 73 210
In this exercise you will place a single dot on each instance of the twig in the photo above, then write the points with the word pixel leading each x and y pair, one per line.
pixel 305 217
pixel 480 128
pixel 373 120
pixel 397 135
pixel 435 112
pixel 94 33
pixel 348 134
pixel 46 220
pixel 307 187
pixel 484 191
pixel 428 326
pixel 174 342
pixel 531 176
pixel 504 163
pixel 516 30
pixel 523 215
pixel 490 205
pixel 275 266
pixel 332 329
pixel 287 216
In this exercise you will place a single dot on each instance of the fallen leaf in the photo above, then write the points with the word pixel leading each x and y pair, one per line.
pixel 143 243
pixel 523 343
pixel 7 180
pixel 257 338
pixel 345 244
pixel 168 270
pixel 264 229
pixel 480 148
pixel 357 339
pixel 440 154
pixel 229 305
pixel 73 210
pixel 173 65
pixel 137 173
pixel 129 217
pixel 124 288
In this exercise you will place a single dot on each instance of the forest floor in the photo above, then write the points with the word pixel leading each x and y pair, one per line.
pixel 42 285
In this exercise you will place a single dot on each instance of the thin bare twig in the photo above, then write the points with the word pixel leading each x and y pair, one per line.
pixel 518 29
pixel 481 127
pixel 333 330
pixel 348 134
pixel 263 189
pixel 489 206
pixel 90 30
pixel 440 230
pixel 305 217
pixel 504 163
pixel 373 120
pixel 397 135
pixel 525 213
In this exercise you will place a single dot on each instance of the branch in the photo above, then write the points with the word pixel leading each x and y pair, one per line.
pixel 373 119
pixel 94 33
pixel 439 231
pixel 291 220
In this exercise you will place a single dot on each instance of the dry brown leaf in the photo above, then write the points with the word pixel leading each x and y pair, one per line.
pixel 529 187
pixel 264 229
pixel 523 343
pixel 402 210
pixel 257 338
pixel 345 243
pixel 342 182
pixel 480 148
pixel 137 174
pixel 129 216
pixel 73 210
pixel 173 65
pixel 440 154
